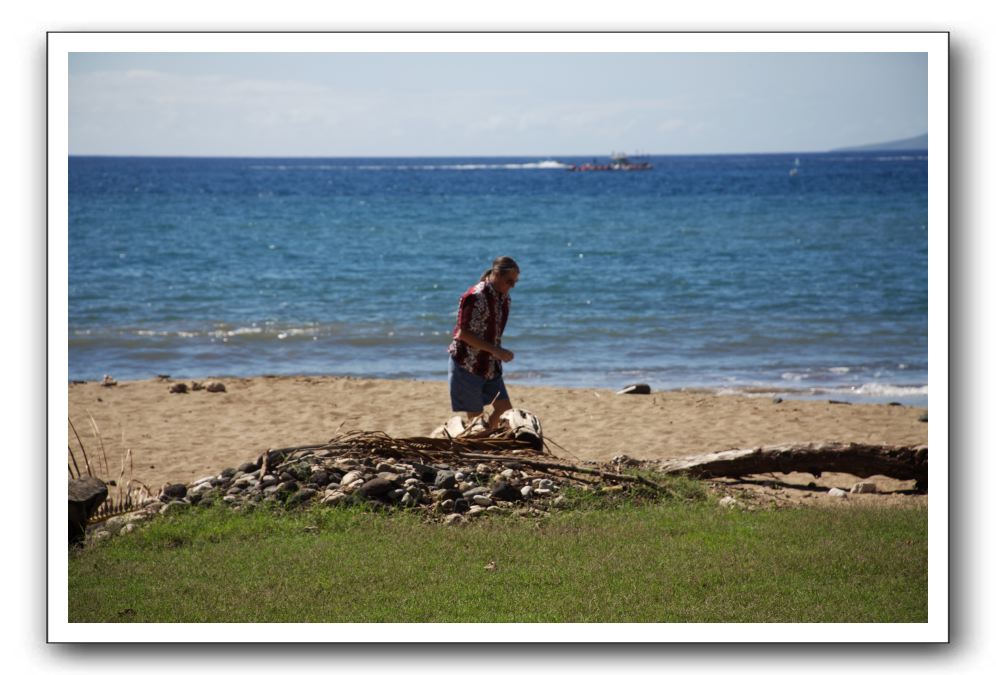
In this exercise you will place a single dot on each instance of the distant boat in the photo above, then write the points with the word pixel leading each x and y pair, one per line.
pixel 619 162
pixel 795 169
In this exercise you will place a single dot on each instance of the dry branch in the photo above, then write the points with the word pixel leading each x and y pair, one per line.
pixel 858 459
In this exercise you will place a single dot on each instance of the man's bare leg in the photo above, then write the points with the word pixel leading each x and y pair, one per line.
pixel 500 406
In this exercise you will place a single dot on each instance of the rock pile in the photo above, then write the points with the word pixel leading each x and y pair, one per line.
pixel 450 491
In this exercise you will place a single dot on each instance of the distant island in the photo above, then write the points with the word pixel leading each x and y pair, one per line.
pixel 914 143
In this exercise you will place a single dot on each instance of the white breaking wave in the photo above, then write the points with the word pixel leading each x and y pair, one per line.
pixel 878 389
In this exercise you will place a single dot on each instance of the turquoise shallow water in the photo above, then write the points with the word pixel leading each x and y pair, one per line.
pixel 722 272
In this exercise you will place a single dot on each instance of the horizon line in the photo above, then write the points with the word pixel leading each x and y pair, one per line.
pixel 550 156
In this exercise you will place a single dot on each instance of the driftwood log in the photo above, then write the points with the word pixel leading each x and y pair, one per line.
pixel 858 459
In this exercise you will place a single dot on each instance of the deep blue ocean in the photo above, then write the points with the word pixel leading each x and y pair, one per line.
pixel 717 272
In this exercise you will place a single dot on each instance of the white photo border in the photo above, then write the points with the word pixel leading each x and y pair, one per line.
pixel 934 44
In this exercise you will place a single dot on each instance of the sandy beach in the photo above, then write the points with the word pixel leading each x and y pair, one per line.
pixel 180 437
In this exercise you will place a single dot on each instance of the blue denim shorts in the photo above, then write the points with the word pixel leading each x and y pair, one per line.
pixel 470 393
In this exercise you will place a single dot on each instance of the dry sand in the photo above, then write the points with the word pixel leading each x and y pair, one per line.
pixel 180 437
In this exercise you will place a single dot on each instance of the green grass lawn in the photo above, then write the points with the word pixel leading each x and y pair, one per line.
pixel 631 562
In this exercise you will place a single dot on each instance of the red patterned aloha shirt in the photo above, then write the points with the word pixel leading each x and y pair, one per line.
pixel 483 312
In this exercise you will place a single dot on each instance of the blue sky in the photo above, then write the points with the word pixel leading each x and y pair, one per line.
pixel 451 104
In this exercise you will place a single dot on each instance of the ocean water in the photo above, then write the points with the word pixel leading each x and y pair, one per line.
pixel 718 272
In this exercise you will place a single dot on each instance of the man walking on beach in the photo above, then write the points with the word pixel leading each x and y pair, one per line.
pixel 476 354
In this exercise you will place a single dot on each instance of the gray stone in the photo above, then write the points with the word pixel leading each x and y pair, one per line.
pixel 445 480
pixel 728 502
pixel 461 505
pixel 301 496
pixel 443 495
pixel 128 527
pixel 560 502
pixel 481 500
pixel 268 480
pixel 502 491
pixel 446 505
pixel 228 473
pixel 173 492
pixel 526 491
pixel 375 488
pixel 249 467
pixel 453 519
pixel 507 474
pixel 320 478
pixel 214 387
pixel 864 488
pixel 101 535
pixel 200 489
pixel 475 491
pixel 389 476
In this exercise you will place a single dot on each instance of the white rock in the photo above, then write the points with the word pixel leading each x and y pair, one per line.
pixel 728 502
pixel 482 468
pixel 482 500
pixel 129 527
pixel 114 524
pixel 101 535
pixel 507 473
pixel 201 488
pixel 351 477
pixel 542 492
pixel 864 488
pixel 203 479
pixel 453 519
pixel 560 501
pixel 526 491
pixel 411 481
pixel 837 492
pixel 334 498
pixel 352 487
